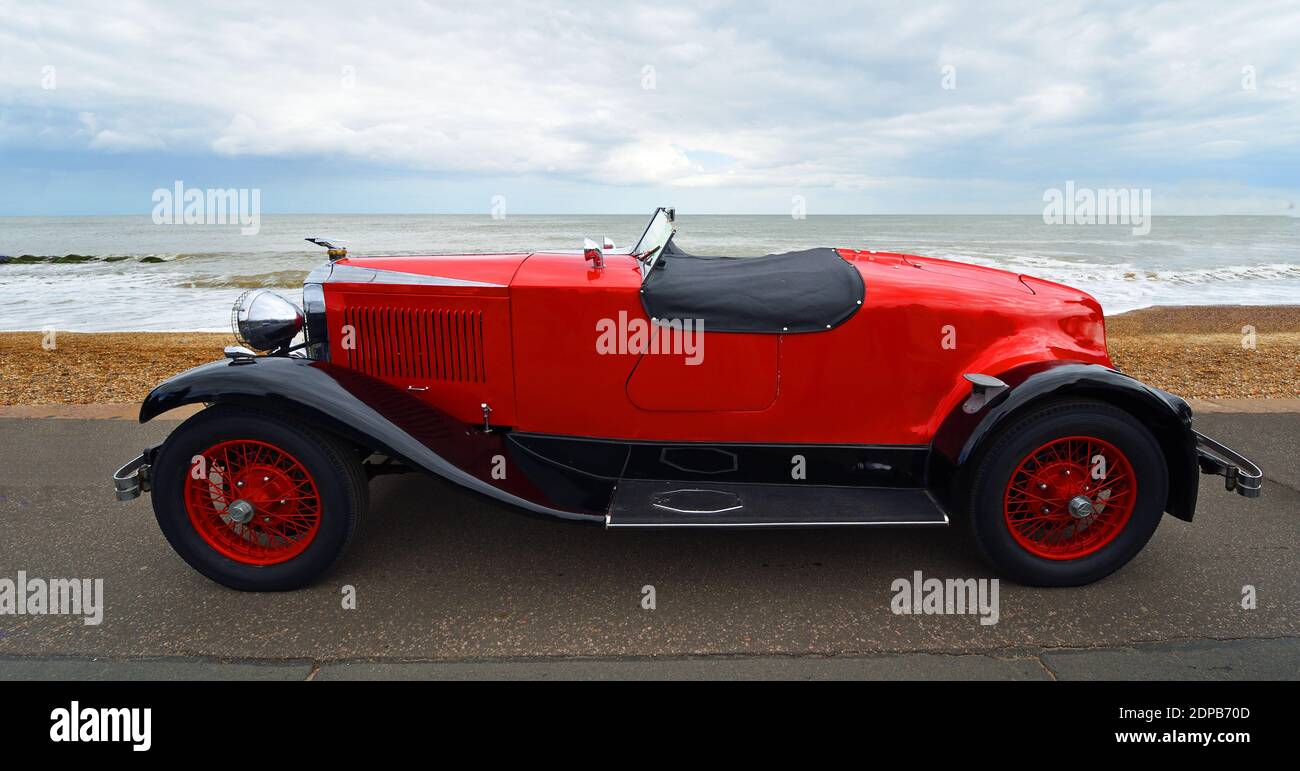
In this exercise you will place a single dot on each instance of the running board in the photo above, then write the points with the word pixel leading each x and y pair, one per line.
pixel 642 503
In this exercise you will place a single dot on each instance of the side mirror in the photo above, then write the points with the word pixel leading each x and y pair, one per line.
pixel 609 244
pixel 592 252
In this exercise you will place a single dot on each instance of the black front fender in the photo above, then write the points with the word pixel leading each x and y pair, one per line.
pixel 365 411
pixel 962 435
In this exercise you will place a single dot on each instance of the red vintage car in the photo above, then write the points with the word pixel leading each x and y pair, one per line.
pixel 651 388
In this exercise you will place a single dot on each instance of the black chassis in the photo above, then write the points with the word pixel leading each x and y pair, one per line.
pixel 575 478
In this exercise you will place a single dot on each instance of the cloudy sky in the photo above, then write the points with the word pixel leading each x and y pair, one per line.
pixel 907 107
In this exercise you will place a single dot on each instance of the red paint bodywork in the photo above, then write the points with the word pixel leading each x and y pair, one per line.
pixel 888 375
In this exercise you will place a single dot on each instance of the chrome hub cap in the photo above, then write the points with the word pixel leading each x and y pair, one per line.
pixel 1081 507
pixel 240 511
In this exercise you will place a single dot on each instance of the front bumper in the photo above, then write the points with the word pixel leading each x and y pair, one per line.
pixel 1238 472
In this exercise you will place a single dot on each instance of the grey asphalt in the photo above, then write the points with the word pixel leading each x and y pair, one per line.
pixel 452 586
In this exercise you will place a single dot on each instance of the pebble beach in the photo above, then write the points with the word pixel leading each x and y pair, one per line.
pixel 1192 351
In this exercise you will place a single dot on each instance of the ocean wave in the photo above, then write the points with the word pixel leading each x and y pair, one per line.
pixel 1065 271
pixel 78 259
pixel 281 279
pixel 28 259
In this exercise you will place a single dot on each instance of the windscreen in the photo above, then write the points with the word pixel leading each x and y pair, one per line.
pixel 652 242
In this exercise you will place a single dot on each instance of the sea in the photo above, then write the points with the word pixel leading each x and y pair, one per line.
pixel 126 273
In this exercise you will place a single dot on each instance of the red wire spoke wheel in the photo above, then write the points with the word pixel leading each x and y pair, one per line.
pixel 253 502
pixel 1070 498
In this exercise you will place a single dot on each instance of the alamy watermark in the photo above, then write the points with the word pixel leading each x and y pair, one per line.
pixel 103 724
pixel 656 336
pixel 948 77
pixel 183 205
pixel 923 596
pixel 53 597
pixel 1098 206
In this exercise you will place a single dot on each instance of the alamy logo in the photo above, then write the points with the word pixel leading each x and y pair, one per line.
pixel 53 597
pixel 1101 206
pixel 103 724
pixel 211 206
pixel 941 597
pixel 657 336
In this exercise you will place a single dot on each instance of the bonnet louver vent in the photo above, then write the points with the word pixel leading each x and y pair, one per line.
pixel 411 344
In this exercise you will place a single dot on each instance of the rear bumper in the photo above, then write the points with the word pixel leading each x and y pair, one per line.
pixel 1238 472
pixel 133 478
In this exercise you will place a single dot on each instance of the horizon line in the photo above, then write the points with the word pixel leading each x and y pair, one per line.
pixel 488 215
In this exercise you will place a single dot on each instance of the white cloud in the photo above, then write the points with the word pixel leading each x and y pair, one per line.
pixel 817 94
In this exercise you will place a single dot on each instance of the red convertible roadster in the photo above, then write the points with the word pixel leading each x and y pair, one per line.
pixel 648 387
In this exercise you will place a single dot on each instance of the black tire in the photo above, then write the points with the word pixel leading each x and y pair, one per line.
pixel 988 521
pixel 334 467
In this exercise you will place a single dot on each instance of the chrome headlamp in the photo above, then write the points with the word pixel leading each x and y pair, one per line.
pixel 265 321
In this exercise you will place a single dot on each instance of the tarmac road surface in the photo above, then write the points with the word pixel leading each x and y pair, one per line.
pixel 452 585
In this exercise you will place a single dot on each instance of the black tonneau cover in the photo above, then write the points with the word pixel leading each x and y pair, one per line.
pixel 808 291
